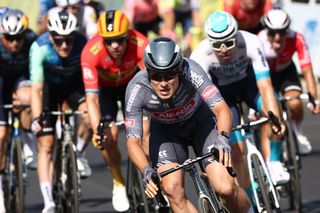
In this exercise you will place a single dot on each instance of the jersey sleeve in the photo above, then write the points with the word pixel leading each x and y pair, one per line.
pixel 36 58
pixel 210 94
pixel 200 57
pixel 133 110
pixel 89 64
pixel 258 59
pixel 302 51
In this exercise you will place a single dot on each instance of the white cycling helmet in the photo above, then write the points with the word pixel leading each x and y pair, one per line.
pixel 276 19
pixel 64 3
pixel 14 22
pixel 62 23
pixel 220 26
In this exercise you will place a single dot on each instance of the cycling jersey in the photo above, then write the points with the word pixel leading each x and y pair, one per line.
pixel 13 65
pixel 248 50
pixel 99 68
pixel 47 66
pixel 14 71
pixel 247 20
pixel 141 11
pixel 86 20
pixel 279 61
pixel 194 88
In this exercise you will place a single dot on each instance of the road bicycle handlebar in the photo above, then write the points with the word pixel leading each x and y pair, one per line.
pixel 247 126
pixel 103 125
pixel 11 106
pixel 304 97
pixel 66 112
pixel 214 152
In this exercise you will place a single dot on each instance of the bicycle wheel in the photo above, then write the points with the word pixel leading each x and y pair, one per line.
pixel 14 184
pixel 135 191
pixel 205 206
pixel 263 185
pixel 291 160
pixel 71 184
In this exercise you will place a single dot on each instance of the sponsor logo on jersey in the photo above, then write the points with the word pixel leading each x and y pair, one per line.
pixel 95 48
pixel 133 94
pixel 129 122
pixel 179 113
pixel 196 79
pixel 209 92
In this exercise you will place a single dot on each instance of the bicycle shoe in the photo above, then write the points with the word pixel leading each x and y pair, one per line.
pixel 2 206
pixel 49 209
pixel 304 145
pixel 31 162
pixel 120 200
pixel 83 166
pixel 279 174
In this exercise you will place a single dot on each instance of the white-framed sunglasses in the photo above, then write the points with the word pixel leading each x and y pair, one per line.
pixel 229 44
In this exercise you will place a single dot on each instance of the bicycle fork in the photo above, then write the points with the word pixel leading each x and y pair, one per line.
pixel 201 191
pixel 252 150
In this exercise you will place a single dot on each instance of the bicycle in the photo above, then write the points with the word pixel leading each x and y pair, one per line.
pixel 139 203
pixel 66 180
pixel 265 195
pixel 15 169
pixel 208 200
pixel 291 156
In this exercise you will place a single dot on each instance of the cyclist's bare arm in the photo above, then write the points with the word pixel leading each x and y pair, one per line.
pixel 269 101
pixel 311 86
pixel 94 113
pixel 223 116
pixel 36 103
pixel 136 153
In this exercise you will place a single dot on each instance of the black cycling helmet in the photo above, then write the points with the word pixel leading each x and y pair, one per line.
pixel 162 55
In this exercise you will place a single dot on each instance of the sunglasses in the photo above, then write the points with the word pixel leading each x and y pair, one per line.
pixel 280 32
pixel 229 44
pixel 163 76
pixel 59 41
pixel 12 38
pixel 117 40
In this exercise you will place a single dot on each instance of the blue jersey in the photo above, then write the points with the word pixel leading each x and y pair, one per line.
pixel 47 66
pixel 13 65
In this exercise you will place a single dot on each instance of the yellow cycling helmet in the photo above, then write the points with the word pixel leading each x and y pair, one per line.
pixel 112 23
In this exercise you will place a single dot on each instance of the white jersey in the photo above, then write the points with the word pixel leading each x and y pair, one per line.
pixel 248 50
pixel 86 18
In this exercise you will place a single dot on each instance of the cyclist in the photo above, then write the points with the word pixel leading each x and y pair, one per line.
pixel 16 39
pixel 84 13
pixel 235 62
pixel 109 60
pixel 248 13
pixel 55 74
pixel 280 43
pixel 180 98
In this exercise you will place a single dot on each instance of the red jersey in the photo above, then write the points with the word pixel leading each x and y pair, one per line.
pixel 294 42
pixel 247 20
pixel 99 68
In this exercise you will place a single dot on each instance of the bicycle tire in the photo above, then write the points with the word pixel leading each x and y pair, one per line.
pixel 14 194
pixel 262 186
pixel 292 164
pixel 71 198
pixel 205 206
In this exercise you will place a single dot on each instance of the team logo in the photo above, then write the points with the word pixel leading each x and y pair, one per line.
pixel 129 122
pixel 209 92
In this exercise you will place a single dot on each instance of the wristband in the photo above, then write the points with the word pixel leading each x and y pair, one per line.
pixel 225 134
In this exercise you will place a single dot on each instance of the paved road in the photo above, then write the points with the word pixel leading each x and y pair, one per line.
pixel 97 189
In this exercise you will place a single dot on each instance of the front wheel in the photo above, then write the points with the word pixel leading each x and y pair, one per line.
pixel 13 182
pixel 70 180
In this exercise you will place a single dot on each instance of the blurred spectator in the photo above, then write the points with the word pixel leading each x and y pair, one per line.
pixel 96 5
pixel 85 14
pixel 248 13
pixel 45 6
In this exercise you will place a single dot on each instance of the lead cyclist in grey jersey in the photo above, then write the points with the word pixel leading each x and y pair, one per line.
pixel 183 104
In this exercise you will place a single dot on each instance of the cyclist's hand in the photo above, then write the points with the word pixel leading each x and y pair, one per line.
pixel 278 130
pixel 222 144
pixel 314 108
pixel 97 141
pixel 151 187
pixel 35 125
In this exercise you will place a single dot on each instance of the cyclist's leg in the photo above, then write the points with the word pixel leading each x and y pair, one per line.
pixel 168 146
pixel 22 95
pixel 46 139
pixel 111 154
pixel 225 185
